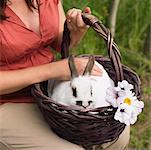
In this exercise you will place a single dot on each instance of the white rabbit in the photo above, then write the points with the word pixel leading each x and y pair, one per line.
pixel 85 91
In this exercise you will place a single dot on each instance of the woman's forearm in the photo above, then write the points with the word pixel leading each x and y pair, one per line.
pixel 11 81
pixel 75 24
pixel 76 38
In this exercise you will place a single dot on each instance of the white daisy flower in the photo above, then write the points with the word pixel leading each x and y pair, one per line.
pixel 115 98
pixel 137 107
pixel 123 114
pixel 127 97
pixel 127 104
pixel 124 85
pixel 128 111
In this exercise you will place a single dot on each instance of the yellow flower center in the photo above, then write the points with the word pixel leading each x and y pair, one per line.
pixel 128 101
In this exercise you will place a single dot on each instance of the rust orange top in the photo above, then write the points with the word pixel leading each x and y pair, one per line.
pixel 21 47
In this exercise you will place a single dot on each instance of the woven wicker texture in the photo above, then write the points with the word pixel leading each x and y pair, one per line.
pixel 95 126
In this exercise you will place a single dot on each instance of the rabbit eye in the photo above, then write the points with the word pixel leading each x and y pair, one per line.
pixel 79 103
pixel 89 102
pixel 91 92
pixel 74 92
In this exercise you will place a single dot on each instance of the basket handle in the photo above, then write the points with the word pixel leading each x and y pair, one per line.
pixel 105 33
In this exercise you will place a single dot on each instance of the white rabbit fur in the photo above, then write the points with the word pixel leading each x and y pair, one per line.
pixel 85 86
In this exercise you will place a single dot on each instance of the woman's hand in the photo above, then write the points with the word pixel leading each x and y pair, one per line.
pixel 62 70
pixel 76 25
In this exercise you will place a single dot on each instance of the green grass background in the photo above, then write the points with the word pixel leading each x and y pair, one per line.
pixel 133 22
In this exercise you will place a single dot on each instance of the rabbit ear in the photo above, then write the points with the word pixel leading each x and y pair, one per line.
pixel 89 66
pixel 73 70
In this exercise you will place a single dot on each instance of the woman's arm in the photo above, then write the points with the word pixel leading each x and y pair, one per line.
pixel 75 24
pixel 11 81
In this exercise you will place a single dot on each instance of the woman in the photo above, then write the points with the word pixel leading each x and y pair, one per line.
pixel 28 32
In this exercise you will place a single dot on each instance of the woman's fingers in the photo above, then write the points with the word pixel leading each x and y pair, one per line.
pixel 79 21
pixel 71 19
pixel 96 71
pixel 72 14
pixel 63 73
pixel 87 10
pixel 74 19
pixel 81 64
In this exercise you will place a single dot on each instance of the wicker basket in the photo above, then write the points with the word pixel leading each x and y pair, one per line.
pixel 85 128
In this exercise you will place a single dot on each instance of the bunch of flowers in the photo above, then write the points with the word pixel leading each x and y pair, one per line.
pixel 127 104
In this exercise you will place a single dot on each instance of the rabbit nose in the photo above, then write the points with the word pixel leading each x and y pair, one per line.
pixel 79 103
pixel 89 102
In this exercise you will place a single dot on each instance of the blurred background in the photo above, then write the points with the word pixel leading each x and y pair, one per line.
pixel 130 23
